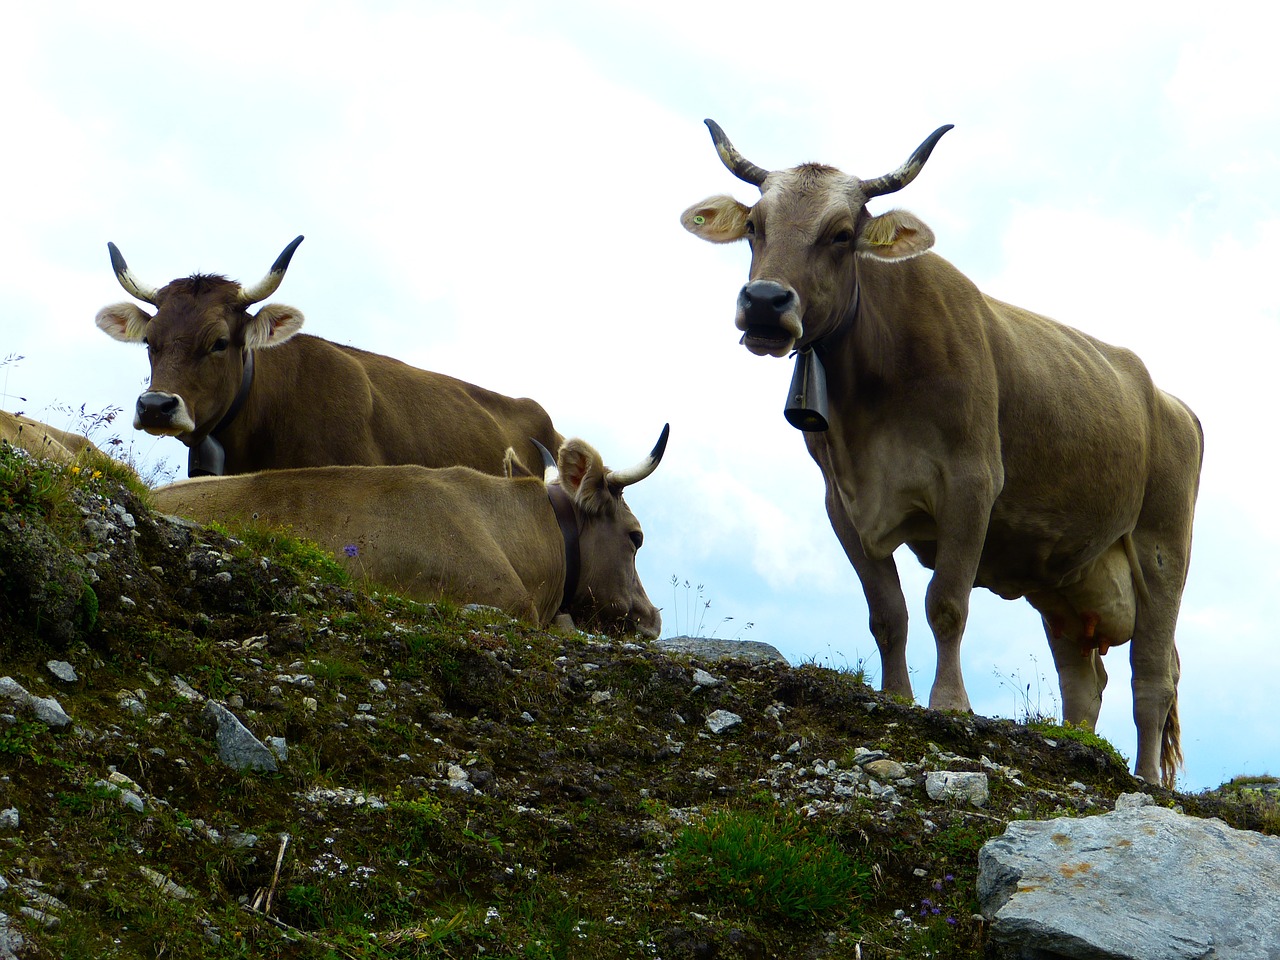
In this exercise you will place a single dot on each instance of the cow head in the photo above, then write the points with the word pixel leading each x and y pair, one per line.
pixel 609 595
pixel 199 341
pixel 805 231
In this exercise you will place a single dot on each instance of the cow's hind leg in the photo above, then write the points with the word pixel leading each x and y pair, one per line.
pixel 1162 548
pixel 886 605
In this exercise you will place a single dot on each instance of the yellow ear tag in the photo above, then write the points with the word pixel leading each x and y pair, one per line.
pixel 699 219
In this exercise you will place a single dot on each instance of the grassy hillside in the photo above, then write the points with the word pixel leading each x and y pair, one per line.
pixel 451 783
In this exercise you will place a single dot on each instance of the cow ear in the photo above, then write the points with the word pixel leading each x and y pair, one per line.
pixel 582 475
pixel 718 219
pixel 272 325
pixel 896 235
pixel 126 322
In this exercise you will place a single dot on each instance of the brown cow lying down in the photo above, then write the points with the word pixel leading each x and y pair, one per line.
pixel 247 392
pixel 42 440
pixel 460 534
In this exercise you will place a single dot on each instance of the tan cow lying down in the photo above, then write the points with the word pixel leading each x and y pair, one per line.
pixel 1006 450
pixel 42 440
pixel 460 534
pixel 245 391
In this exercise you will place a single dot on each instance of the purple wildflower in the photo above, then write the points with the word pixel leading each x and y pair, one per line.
pixel 351 550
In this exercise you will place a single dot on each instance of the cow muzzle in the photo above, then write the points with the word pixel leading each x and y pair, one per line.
pixel 768 316
pixel 162 414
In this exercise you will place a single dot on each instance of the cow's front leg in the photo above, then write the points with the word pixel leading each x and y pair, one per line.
pixel 962 530
pixel 886 605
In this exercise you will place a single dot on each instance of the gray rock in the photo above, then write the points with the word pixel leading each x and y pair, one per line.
pixel 957 787
pixel 164 884
pixel 62 670
pixel 720 720
pixel 704 679
pixel 1133 801
pixel 47 710
pixel 126 797
pixel 752 650
pixel 237 747
pixel 885 769
pixel 9 820
pixel 11 940
pixel 1143 883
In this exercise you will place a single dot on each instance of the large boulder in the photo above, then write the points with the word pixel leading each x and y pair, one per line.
pixel 1144 882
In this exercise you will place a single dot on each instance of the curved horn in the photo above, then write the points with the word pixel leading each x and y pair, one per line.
pixel 624 478
pixel 738 165
pixel 132 284
pixel 893 182
pixel 268 284
pixel 550 472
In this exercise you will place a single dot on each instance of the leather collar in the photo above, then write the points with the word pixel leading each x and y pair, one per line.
pixel 568 522
pixel 207 458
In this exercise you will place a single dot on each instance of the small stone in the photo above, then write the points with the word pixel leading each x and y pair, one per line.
pixel 704 679
pixel 377 686
pixel 952 786
pixel 186 691
pixel 62 670
pixel 279 747
pixel 720 720
pixel 885 769
pixel 164 884
pixel 9 818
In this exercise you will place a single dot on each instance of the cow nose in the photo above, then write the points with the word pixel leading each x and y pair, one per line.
pixel 765 302
pixel 156 409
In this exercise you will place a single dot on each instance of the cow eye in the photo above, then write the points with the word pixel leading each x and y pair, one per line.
pixel 842 238
pixel 219 345
pixel 637 538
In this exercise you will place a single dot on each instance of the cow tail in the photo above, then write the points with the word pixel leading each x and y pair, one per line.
pixel 1171 746
pixel 1171 736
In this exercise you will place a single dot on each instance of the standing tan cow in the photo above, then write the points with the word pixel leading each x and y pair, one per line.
pixel 246 392
pixel 458 533
pixel 1004 449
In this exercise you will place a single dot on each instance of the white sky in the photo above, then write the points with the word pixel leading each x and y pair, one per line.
pixel 493 191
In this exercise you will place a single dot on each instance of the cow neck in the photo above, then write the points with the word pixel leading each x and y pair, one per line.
pixel 568 522
pixel 207 458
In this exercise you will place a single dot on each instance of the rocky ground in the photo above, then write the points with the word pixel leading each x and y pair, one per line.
pixel 217 746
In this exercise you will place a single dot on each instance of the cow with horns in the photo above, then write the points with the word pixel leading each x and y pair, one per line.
pixel 245 391
pixel 537 548
pixel 1004 449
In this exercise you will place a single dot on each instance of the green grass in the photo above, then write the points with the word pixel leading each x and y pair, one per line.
pixel 769 861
